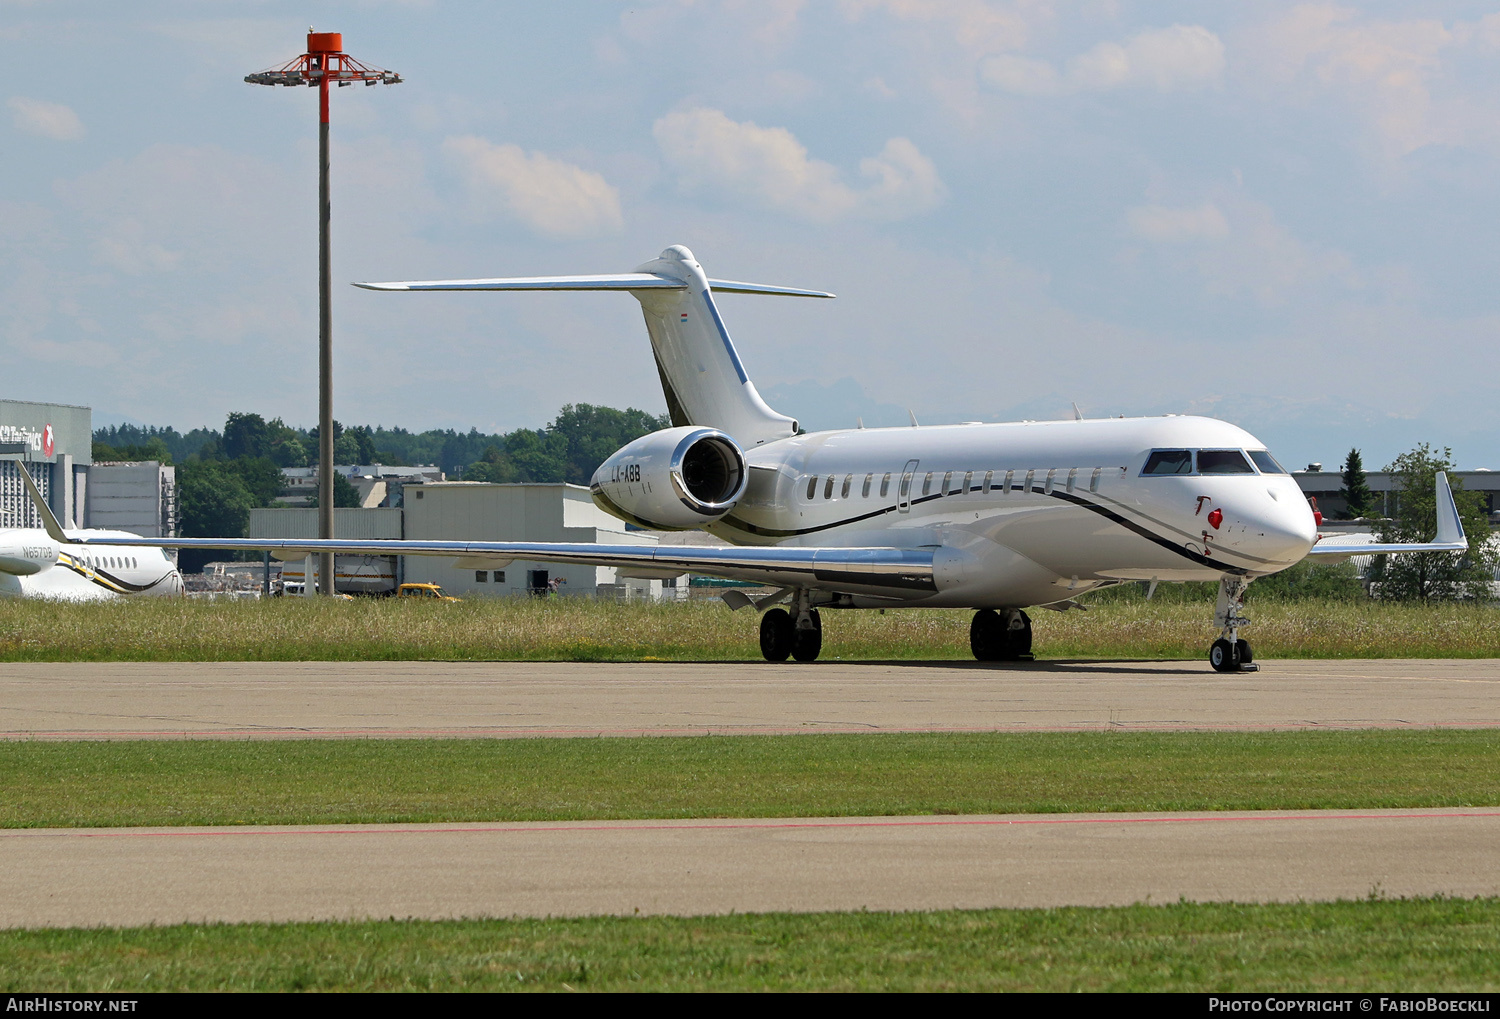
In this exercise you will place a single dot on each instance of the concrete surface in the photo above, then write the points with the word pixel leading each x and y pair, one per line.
pixel 137 876
pixel 241 700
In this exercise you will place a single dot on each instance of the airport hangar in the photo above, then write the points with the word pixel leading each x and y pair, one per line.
pixel 481 511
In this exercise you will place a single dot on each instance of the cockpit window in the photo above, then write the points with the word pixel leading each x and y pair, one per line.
pixel 1223 461
pixel 1266 462
pixel 1169 461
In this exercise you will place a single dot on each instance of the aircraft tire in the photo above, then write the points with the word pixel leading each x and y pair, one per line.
pixel 776 635
pixel 1224 656
pixel 987 636
pixel 808 644
pixel 1246 655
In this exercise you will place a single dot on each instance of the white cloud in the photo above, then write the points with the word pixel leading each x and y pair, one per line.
pixel 551 197
pixel 1240 250
pixel 50 120
pixel 1398 75
pixel 1181 56
pixel 1165 224
pixel 772 168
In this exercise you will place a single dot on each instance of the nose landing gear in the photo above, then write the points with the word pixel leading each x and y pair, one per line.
pixel 1000 636
pixel 1231 653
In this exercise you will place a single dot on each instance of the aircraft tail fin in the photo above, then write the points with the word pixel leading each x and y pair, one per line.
pixel 701 374
pixel 54 529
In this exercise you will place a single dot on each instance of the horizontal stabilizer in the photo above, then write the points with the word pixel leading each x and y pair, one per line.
pixel 1450 535
pixel 731 287
pixel 629 281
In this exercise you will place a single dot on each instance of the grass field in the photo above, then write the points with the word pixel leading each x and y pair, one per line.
pixel 109 784
pixel 1394 945
pixel 295 629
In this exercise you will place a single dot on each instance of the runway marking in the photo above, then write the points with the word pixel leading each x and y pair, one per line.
pixel 769 825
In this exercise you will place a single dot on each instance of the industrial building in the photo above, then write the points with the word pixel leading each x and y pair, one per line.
pixel 1326 485
pixel 378 485
pixel 460 510
pixel 56 442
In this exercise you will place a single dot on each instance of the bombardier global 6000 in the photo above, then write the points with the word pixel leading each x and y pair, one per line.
pixel 996 518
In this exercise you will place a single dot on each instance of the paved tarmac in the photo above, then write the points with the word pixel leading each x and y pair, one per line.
pixel 239 700
pixel 90 877
pixel 136 876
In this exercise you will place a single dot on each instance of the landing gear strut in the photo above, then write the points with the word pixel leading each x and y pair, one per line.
pixel 1231 653
pixel 1003 636
pixel 782 637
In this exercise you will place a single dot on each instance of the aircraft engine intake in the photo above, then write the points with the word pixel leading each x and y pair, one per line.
pixel 675 479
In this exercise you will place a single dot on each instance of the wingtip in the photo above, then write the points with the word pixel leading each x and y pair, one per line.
pixel 381 286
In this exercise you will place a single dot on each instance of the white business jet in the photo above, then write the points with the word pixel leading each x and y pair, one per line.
pixel 78 565
pixel 992 517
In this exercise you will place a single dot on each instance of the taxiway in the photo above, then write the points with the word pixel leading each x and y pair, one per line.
pixel 239 700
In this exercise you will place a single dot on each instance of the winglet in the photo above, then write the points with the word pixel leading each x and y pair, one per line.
pixel 1450 529
pixel 1450 535
pixel 54 529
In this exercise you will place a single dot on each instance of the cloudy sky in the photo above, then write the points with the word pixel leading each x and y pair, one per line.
pixel 1280 214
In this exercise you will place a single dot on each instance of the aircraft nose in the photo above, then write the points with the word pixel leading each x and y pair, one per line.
pixel 1281 533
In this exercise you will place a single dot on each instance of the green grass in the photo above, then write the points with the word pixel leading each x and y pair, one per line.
pixel 571 629
pixel 132 783
pixel 1409 945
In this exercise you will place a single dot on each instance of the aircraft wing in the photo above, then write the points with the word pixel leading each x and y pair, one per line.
pixel 895 571
pixel 1450 535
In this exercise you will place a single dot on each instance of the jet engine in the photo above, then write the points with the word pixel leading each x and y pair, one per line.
pixel 26 553
pixel 676 479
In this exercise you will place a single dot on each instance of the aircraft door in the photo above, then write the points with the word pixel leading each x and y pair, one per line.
pixel 903 491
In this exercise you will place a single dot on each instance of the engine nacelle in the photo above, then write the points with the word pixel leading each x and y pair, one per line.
pixel 676 479
pixel 26 553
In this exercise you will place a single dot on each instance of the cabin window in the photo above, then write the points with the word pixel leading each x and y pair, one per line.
pixel 1169 461
pixel 865 491
pixel 1072 478
pixel 812 486
pixel 828 488
pixel 927 483
pixel 1223 461
pixel 948 483
pixel 1094 479
pixel 989 479
pixel 885 485
pixel 499 576
pixel 848 483
pixel 481 576
pixel 1266 462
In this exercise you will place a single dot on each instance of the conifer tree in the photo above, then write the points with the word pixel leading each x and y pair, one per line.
pixel 1356 492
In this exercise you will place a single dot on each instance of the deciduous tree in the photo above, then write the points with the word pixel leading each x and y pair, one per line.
pixel 1428 576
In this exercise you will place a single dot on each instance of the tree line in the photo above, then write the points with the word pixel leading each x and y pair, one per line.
pixel 222 474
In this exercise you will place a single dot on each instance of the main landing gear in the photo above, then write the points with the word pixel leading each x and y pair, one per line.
pixel 1003 636
pixel 1231 653
pixel 782 637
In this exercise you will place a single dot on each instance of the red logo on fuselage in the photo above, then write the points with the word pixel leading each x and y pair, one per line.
pixel 48 445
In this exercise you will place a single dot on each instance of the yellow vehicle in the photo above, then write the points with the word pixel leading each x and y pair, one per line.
pixel 424 591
